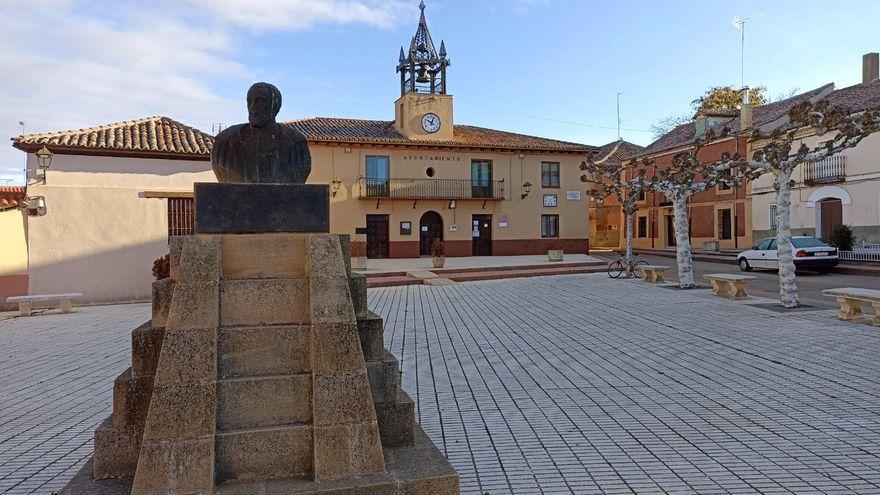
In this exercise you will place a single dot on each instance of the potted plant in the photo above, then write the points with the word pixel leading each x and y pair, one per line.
pixel 438 253
pixel 555 254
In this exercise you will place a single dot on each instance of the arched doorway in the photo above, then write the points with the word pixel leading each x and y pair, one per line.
pixel 830 217
pixel 430 227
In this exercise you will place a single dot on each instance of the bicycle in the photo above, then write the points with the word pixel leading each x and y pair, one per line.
pixel 632 267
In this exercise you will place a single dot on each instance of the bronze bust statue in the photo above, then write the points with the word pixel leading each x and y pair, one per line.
pixel 261 151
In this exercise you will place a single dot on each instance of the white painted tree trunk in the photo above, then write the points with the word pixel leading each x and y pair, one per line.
pixel 683 244
pixel 629 240
pixel 788 292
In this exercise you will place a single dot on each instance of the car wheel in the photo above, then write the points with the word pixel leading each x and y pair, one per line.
pixel 744 265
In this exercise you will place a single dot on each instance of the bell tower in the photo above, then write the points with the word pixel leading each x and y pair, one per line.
pixel 424 110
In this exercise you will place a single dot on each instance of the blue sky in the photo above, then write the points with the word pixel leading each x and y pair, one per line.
pixel 545 67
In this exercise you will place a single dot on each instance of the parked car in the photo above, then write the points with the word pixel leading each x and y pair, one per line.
pixel 809 254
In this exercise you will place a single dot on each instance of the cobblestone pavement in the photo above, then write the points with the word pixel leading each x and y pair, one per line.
pixel 567 384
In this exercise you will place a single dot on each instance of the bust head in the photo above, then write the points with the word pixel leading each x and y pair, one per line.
pixel 264 103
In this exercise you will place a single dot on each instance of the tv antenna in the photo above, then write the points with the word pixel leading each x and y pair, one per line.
pixel 740 23
pixel 618 114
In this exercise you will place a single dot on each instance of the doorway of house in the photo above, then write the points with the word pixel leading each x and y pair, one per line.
pixel 481 225
pixel 377 236
pixel 430 228
pixel 725 224
pixel 831 216
pixel 670 231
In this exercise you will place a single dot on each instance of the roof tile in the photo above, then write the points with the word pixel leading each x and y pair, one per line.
pixel 12 197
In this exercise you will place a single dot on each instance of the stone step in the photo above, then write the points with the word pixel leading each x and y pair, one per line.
pixel 116 451
pixel 384 376
pixel 256 302
pixel 131 400
pixel 146 343
pixel 264 453
pixel 397 421
pixel 264 401
pixel 260 351
pixel 357 284
pixel 263 257
pixel 371 330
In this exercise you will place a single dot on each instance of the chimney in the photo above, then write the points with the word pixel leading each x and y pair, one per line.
pixel 745 112
pixel 701 124
pixel 870 67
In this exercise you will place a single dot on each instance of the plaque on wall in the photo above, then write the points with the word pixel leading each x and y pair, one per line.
pixel 405 228
pixel 549 200
pixel 573 195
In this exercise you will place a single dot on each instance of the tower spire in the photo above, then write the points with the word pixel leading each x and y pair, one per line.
pixel 423 69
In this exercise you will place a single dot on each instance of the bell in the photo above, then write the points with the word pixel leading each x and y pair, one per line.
pixel 422 77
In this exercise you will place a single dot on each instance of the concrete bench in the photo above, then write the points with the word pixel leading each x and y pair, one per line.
pixel 654 273
pixel 850 300
pixel 729 284
pixel 25 303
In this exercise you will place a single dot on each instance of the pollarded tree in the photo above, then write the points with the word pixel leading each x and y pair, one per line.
pixel 623 180
pixel 775 154
pixel 686 176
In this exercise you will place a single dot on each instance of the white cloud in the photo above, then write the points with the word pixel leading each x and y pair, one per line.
pixel 303 14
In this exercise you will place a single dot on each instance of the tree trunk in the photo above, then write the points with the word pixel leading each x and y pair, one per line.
pixel 683 244
pixel 788 292
pixel 629 242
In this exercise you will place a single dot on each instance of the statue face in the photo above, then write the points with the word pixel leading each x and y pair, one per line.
pixel 260 107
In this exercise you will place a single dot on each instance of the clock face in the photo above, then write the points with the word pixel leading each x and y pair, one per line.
pixel 431 122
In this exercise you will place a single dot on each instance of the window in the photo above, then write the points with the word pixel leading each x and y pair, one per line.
pixel 549 225
pixel 642 196
pixel 377 176
pixel 481 178
pixel 773 216
pixel 642 228
pixel 725 232
pixel 550 174
pixel 764 245
pixel 180 217
pixel 772 245
pixel 727 174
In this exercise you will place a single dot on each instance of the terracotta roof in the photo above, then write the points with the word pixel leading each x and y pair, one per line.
pixel 12 197
pixel 857 98
pixel 334 130
pixel 683 135
pixel 617 151
pixel 148 136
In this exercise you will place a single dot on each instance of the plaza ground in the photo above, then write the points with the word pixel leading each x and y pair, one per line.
pixel 564 384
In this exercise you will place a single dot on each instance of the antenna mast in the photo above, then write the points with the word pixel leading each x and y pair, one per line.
pixel 740 23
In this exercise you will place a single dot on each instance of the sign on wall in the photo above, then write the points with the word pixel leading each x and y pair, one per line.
pixel 502 220
pixel 453 228
pixel 549 200
pixel 573 195
pixel 405 228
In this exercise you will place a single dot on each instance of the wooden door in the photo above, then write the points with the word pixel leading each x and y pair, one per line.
pixel 377 236
pixel 481 227
pixel 430 228
pixel 832 217
pixel 670 230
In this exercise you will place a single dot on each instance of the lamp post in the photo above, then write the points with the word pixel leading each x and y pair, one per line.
pixel 44 159
pixel 527 188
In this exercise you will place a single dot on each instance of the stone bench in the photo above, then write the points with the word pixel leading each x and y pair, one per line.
pixel 850 300
pixel 25 303
pixel 654 273
pixel 729 284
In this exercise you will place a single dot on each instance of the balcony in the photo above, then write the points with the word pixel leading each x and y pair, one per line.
pixel 825 171
pixel 431 189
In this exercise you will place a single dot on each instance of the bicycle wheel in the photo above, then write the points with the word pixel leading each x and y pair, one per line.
pixel 615 269
pixel 637 268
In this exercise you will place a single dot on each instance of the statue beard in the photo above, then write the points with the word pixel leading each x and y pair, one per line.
pixel 259 120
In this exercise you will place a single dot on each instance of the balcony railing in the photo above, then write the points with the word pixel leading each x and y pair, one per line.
pixel 432 189
pixel 825 171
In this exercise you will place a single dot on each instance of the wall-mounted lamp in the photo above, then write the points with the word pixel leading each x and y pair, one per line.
pixel 335 184
pixel 36 206
pixel 527 188
pixel 44 160
pixel 452 204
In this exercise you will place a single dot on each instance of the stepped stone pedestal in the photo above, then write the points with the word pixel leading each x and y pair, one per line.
pixel 262 372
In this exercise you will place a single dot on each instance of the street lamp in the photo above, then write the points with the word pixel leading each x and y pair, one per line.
pixel 336 184
pixel 44 159
pixel 527 188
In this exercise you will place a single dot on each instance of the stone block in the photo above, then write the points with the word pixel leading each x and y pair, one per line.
pixel 366 449
pixel 195 305
pixel 345 245
pixel 175 247
pixel 146 345
pixel 371 484
pixel 181 411
pixel 131 400
pixel 396 421
pixel 116 452
pixel 371 332
pixel 200 259
pixel 325 256
pixel 264 302
pixel 252 208
pixel 256 351
pixel 181 466
pixel 357 284
pixel 384 378
pixel 163 290
pixel 265 453
pixel 188 355
pixel 333 452
pixel 264 401
pixel 421 469
pixel 330 300
pixel 342 398
pixel 264 256
pixel 336 348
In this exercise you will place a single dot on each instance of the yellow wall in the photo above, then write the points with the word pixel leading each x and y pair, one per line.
pixel 13 243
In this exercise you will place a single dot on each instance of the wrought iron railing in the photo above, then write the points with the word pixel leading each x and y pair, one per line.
pixel 827 170
pixel 431 188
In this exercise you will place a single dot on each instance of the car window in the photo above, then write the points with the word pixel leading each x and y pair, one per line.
pixel 806 242
pixel 772 244
pixel 763 245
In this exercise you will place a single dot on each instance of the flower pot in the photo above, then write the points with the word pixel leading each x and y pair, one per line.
pixel 555 254
pixel 438 261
